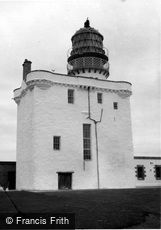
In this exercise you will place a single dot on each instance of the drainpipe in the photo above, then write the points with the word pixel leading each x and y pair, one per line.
pixel 98 177
pixel 96 136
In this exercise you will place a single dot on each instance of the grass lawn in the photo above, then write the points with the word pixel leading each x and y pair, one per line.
pixel 106 208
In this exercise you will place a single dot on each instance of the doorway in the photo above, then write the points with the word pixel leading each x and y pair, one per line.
pixel 11 180
pixel 64 180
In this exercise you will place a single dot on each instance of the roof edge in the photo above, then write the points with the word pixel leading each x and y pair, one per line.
pixel 147 157
pixel 47 71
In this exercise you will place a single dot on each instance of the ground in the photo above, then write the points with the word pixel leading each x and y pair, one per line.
pixel 106 208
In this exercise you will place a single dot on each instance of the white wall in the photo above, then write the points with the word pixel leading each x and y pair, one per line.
pixel 44 112
pixel 25 140
pixel 150 179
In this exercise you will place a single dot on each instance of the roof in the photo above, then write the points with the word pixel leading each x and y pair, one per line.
pixel 87 30
pixel 147 158
pixel 7 162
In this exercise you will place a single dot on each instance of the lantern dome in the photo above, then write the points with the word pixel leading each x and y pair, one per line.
pixel 88 53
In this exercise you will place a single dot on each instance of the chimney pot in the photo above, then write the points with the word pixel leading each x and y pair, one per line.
pixel 26 68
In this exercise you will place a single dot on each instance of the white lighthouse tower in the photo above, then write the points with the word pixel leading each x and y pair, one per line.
pixel 74 130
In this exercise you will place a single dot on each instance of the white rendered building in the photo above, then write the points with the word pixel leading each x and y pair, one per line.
pixel 74 130
pixel 147 171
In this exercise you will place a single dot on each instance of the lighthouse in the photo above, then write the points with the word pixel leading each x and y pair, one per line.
pixel 88 55
pixel 74 130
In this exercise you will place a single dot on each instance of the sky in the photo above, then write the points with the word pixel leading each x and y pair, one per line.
pixel 41 31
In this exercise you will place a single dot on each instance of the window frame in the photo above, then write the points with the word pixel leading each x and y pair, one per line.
pixel 87 139
pixel 157 166
pixel 70 93
pixel 99 98
pixel 56 146
pixel 143 171
pixel 115 105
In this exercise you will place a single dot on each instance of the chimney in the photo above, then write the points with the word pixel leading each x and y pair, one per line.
pixel 26 68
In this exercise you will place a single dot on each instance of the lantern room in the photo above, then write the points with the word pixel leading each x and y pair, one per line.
pixel 88 53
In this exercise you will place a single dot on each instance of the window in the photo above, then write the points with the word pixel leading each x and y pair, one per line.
pixel 158 172
pixel 140 173
pixel 115 105
pixel 56 144
pixel 99 98
pixel 71 96
pixel 87 141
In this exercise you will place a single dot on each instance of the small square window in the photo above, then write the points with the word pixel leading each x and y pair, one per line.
pixel 158 172
pixel 71 96
pixel 99 98
pixel 115 105
pixel 56 143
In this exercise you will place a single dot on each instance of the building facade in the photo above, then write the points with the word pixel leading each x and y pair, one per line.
pixel 147 171
pixel 74 131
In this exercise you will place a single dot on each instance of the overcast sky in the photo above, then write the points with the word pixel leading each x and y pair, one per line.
pixel 41 31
